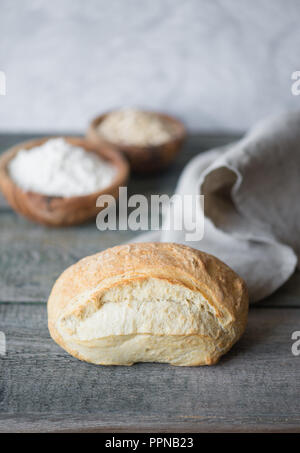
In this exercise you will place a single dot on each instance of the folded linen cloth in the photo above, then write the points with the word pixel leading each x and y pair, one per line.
pixel 251 203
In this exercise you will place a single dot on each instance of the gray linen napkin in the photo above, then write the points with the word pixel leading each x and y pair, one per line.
pixel 251 202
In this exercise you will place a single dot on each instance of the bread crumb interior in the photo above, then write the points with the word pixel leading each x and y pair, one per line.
pixel 144 306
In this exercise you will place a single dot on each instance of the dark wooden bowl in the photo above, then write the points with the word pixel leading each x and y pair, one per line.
pixel 60 211
pixel 144 159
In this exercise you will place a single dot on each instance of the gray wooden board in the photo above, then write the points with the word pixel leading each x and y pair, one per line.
pixel 255 386
pixel 32 256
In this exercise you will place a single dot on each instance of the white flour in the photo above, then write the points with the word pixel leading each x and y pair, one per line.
pixel 58 168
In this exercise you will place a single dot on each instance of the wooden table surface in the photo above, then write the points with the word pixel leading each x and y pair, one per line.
pixel 255 387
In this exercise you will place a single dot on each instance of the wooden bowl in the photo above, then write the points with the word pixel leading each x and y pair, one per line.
pixel 144 159
pixel 59 211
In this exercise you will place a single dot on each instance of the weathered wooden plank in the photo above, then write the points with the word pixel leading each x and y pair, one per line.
pixel 254 387
pixel 32 257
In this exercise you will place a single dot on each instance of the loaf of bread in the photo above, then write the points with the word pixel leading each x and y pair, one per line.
pixel 148 302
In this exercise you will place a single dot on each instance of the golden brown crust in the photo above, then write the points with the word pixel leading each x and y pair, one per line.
pixel 197 271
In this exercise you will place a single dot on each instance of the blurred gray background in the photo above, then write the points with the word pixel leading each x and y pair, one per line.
pixel 218 65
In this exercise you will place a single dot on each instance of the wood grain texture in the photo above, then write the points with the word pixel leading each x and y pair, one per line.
pixel 255 386
pixel 32 256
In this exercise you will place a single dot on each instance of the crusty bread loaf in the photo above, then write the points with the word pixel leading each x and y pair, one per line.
pixel 149 302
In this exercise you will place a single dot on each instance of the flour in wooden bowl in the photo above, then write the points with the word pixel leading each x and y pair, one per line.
pixel 57 168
